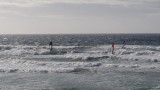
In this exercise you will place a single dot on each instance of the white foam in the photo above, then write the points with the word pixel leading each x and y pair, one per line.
pixel 37 58
pixel 132 52
pixel 24 50
pixel 13 66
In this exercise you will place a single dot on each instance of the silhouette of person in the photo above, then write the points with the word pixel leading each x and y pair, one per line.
pixel 113 48
pixel 124 42
pixel 50 46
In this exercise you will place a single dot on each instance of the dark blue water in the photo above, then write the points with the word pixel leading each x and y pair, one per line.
pixel 81 39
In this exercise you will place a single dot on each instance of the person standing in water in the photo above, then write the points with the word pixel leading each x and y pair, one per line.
pixel 50 46
pixel 124 42
pixel 113 48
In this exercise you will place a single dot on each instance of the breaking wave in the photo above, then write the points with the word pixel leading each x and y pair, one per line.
pixel 13 66
pixel 132 52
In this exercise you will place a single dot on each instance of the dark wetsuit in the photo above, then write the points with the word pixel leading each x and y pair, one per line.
pixel 124 42
pixel 50 45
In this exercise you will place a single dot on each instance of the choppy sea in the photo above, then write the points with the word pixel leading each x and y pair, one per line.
pixel 80 62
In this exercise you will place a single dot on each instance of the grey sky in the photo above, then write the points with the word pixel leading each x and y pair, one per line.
pixel 79 16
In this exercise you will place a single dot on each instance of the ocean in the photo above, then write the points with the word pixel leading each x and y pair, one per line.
pixel 80 62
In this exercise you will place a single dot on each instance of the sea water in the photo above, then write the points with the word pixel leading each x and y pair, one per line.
pixel 26 62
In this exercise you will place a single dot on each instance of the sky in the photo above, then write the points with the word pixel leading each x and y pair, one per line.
pixel 79 16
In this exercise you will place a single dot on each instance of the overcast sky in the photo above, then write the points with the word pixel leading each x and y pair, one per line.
pixel 79 16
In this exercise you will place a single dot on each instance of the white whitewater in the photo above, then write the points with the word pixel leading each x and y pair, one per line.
pixel 38 58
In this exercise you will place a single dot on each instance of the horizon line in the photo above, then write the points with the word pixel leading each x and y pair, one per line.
pixel 67 33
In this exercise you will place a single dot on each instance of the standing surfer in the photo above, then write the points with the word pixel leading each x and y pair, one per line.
pixel 50 46
pixel 113 48
pixel 124 42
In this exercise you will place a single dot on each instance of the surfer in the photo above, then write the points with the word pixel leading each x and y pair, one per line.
pixel 124 42
pixel 113 48
pixel 50 46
